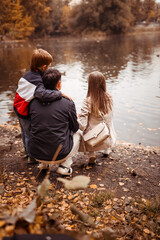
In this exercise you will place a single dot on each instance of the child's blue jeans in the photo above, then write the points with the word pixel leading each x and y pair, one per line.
pixel 25 124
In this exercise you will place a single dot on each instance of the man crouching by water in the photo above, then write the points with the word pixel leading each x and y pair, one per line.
pixel 52 124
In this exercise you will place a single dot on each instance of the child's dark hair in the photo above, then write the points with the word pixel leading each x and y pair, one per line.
pixel 39 58
pixel 51 77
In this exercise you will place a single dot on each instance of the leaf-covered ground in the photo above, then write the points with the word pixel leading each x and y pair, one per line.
pixel 122 197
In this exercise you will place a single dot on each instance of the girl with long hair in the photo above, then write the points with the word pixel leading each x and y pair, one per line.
pixel 98 101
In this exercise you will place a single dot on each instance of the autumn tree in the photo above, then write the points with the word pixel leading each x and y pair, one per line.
pixel 64 26
pixel 149 8
pixel 14 23
pixel 158 13
pixel 84 16
pixel 137 10
pixel 145 10
pixel 20 18
pixel 5 13
pixel 113 15
pixel 116 16
pixel 39 11
pixel 59 16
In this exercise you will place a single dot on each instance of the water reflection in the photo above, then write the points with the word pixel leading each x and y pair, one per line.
pixel 131 67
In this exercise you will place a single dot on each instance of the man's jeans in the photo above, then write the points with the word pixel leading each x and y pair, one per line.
pixel 24 124
pixel 74 151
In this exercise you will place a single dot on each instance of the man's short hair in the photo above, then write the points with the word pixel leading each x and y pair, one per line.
pixel 51 77
pixel 39 58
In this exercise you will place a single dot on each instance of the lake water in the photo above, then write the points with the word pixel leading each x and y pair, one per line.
pixel 131 65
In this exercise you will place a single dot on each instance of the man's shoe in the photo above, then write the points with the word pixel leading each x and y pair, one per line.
pixel 64 170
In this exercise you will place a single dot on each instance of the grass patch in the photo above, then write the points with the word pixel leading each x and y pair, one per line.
pixel 99 198
pixel 153 208
pixel 149 208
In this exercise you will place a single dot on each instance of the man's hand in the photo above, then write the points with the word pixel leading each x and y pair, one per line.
pixel 64 95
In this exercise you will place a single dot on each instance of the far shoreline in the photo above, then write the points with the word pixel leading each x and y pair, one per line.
pixel 94 35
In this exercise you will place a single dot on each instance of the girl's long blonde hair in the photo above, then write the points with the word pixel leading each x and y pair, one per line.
pixel 100 99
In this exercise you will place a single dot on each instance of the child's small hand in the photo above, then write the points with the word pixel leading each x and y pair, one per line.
pixel 64 95
pixel 78 115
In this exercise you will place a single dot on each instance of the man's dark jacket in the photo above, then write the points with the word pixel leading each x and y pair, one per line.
pixel 52 124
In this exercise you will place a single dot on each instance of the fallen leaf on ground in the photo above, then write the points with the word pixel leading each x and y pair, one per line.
pixel 93 186
pixel 78 182
pixel 29 213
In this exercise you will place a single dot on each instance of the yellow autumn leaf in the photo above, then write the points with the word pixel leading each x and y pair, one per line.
pixel 114 218
pixel 93 186
pixel 70 197
pixel 75 199
pixel 146 230
pixel 2 223
pixel 73 226
pixel 1 236
pixel 9 229
pixel 147 203
pixel 34 228
pixel 39 219
pixel 50 205
pixel 51 187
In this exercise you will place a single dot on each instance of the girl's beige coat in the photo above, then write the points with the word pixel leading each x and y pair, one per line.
pixel 87 121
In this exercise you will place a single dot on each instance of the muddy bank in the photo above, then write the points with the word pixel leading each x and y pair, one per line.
pixel 129 171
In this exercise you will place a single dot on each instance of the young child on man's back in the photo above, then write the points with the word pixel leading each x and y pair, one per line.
pixel 31 86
